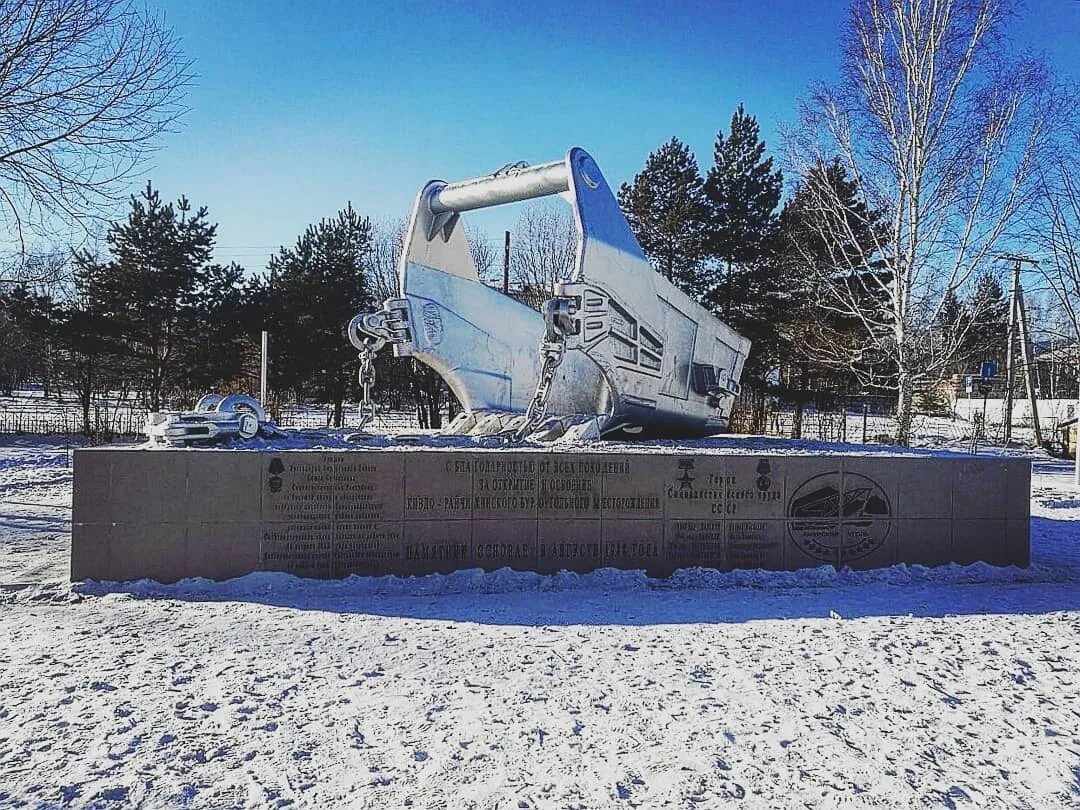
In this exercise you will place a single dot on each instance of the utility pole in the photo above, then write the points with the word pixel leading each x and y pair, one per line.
pixel 506 262
pixel 1029 366
pixel 1015 314
pixel 264 365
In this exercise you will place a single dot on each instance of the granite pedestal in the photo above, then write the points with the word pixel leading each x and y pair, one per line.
pixel 171 514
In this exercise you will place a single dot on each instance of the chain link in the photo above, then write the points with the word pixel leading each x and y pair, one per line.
pixel 367 349
pixel 552 352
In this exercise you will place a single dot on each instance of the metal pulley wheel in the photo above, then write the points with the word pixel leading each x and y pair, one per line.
pixel 247 425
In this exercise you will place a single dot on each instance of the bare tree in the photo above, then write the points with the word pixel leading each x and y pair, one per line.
pixel 483 251
pixel 943 128
pixel 387 241
pixel 542 252
pixel 1057 233
pixel 47 271
pixel 86 88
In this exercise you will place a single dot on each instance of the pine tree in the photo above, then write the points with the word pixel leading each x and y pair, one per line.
pixel 87 364
pixel 744 192
pixel 952 321
pixel 313 291
pixel 159 294
pixel 666 208
pixel 827 231
pixel 989 312
pixel 27 332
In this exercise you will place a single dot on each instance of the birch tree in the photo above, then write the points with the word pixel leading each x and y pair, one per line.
pixel 86 88
pixel 943 127
pixel 542 252
pixel 1057 233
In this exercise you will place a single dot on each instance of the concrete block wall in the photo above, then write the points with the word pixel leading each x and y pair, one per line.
pixel 171 514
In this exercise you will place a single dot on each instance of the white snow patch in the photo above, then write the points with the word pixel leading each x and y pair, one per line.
pixel 952 687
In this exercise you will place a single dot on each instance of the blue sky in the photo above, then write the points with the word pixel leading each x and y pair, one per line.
pixel 300 107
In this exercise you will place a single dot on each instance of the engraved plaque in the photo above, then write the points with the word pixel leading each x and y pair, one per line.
pixel 438 486
pixel 573 545
pixel 505 485
pixel 303 549
pixel 368 486
pixel 435 546
pixel 755 544
pixel 814 508
pixel 297 486
pixel 570 485
pixel 635 544
pixel 696 543
pixel 370 511
pixel 504 544
pixel 693 486
pixel 633 486
pixel 754 487
pixel 367 549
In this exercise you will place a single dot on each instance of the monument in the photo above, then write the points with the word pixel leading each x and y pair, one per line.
pixel 170 514
pixel 618 346
pixel 617 352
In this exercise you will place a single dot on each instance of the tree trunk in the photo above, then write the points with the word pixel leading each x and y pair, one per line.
pixel 434 414
pixel 800 405
pixel 85 396
pixel 905 402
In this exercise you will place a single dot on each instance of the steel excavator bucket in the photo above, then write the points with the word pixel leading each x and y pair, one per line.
pixel 640 355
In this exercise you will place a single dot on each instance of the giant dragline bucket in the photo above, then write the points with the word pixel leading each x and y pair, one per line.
pixel 617 345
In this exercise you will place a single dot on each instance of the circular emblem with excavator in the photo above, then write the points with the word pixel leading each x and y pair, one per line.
pixel 837 518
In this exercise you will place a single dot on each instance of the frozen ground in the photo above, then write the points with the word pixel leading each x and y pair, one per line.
pixel 946 688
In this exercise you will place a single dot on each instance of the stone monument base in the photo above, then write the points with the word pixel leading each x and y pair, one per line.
pixel 172 514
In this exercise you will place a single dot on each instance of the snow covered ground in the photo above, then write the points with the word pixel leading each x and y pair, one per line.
pixel 955 687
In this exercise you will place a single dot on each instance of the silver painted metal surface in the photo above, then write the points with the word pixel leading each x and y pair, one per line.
pixel 512 185
pixel 640 355
pixel 215 418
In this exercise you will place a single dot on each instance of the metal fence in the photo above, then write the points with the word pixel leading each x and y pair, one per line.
pixel 52 420
pixel 314 417
pixel 831 426
pixel 40 417
pixel 37 416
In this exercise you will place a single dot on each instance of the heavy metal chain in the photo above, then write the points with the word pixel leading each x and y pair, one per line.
pixel 367 350
pixel 551 352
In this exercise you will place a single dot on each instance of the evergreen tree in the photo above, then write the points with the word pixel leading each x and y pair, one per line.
pixel 26 338
pixel 989 313
pixel 666 208
pixel 313 291
pixel 826 231
pixel 87 362
pixel 744 192
pixel 161 298
pixel 952 322
pixel 840 246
